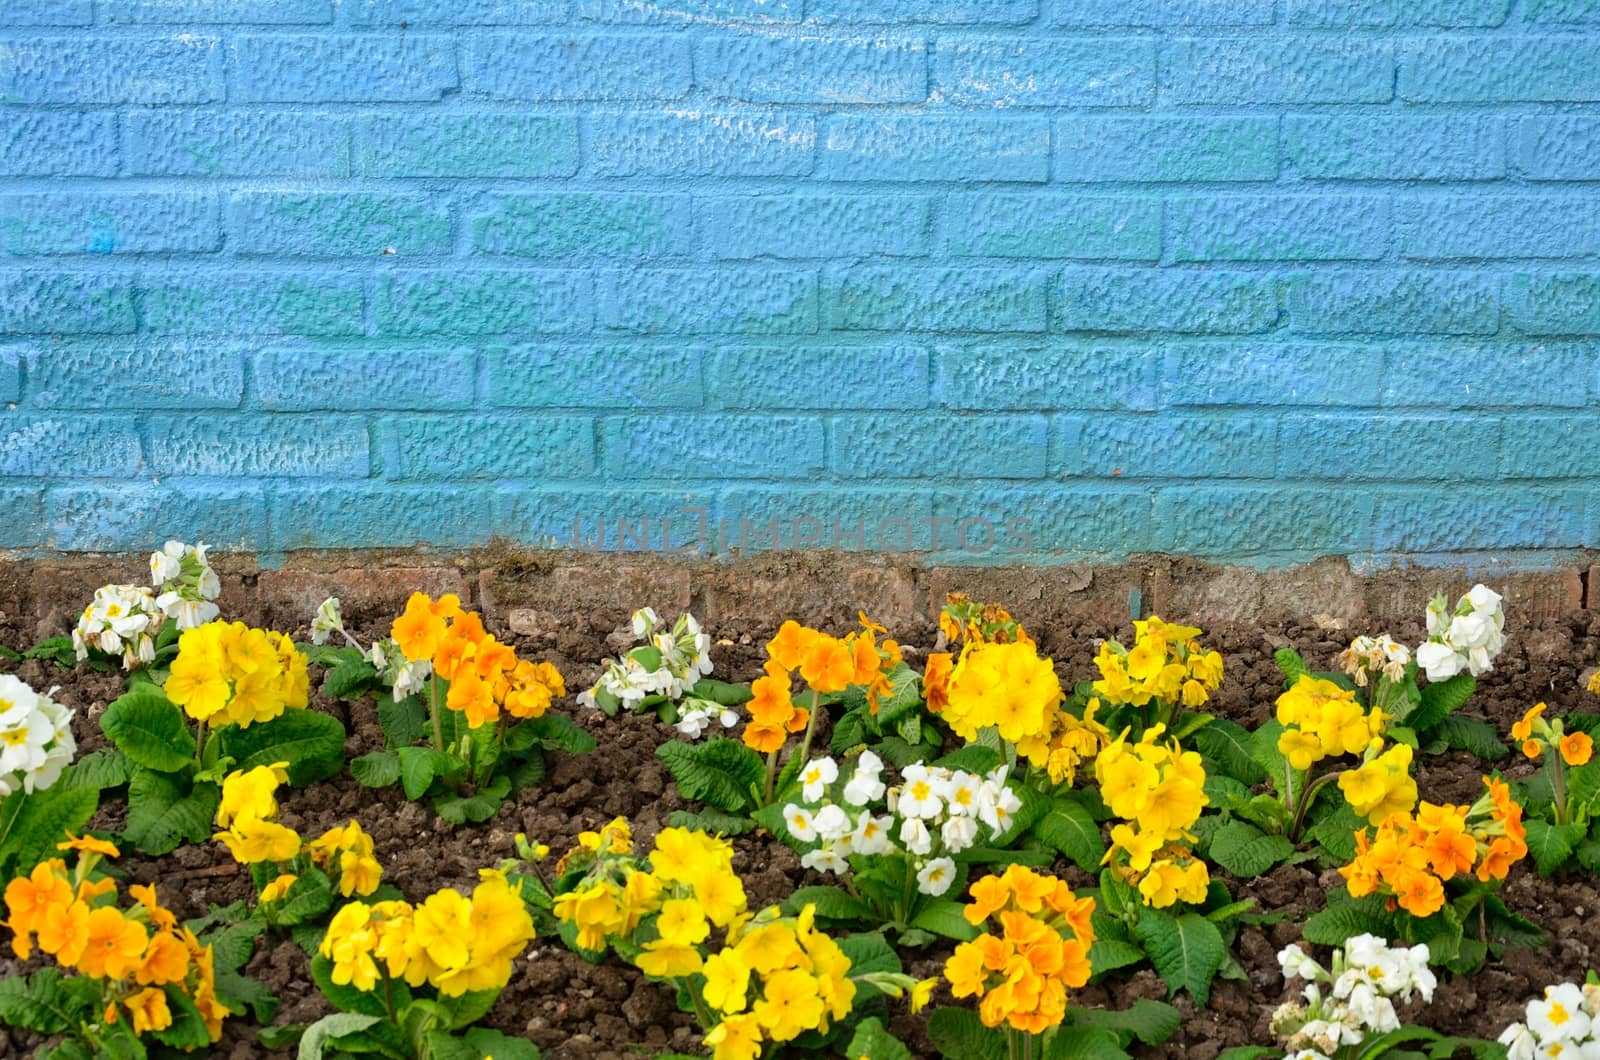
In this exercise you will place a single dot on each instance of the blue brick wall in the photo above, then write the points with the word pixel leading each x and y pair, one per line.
pixel 997 280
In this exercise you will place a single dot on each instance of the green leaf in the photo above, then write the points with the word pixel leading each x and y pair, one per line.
pixel 350 679
pixel 1264 749
pixel 1251 1052
pixel 468 1008
pixel 528 773
pixel 1228 745
pixel 959 1034
pixel 831 903
pixel 376 770
pixel 1552 844
pixel 347 998
pixel 418 767
pixel 462 809
pixel 721 692
pixel 1246 851
pixel 188 1028
pixel 330 1029
pixel 562 733
pixel 721 772
pixel 149 728
pixel 1383 1043
pixel 1107 955
pixel 1470 734
pixel 58 650
pixel 1186 950
pixel 478 1043
pixel 1084 1043
pixel 973 758
pixel 869 952
pixel 38 1003
pixel 944 918
pixel 872 1041
pixel 232 946
pixel 1361 916
pixel 308 898
pixel 1293 666
pixel 403 723
pixel 311 742
pixel 1068 828
pixel 98 770
pixel 165 809
pixel 1441 700
pixel 849 732
pixel 34 824
pixel 1152 1022
pixel 1336 833
pixel 713 822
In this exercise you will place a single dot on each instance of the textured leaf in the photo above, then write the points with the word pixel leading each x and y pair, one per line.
pixel 376 770
pixel 347 998
pixel 1551 844
pixel 1152 1022
pixel 1186 950
pixel 1333 925
pixel 232 946
pixel 1336 833
pixel 720 771
pixel 38 1002
pixel 98 770
pixel 478 1043
pixel 1246 851
pixel 34 824
pixel 1084 1043
pixel 1228 745
pixel 149 728
pixel 350 679
pixel 418 767
pixel 972 758
pixel 310 741
pixel 165 809
pixel 832 903
pixel 1067 827
pixel 869 951
pixel 713 822
pixel 468 1008
pixel 1107 955
pixel 188 1028
pixel 945 918
pixel 959 1034
pixel 329 1029
pixel 462 809
pixel 309 897
pixel 1264 749
pixel 1292 665
pixel 1470 734
pixel 403 723
pixel 561 732
pixel 872 1041
pixel 1441 700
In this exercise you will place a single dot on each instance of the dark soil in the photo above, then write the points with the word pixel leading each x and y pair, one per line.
pixel 573 1009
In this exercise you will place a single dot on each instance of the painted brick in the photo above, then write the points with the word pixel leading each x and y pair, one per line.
pixel 336 224
pixel 943 12
pixel 1238 520
pixel 1277 70
pixel 679 447
pixel 1156 14
pixel 1555 303
pixel 221 12
pixel 1535 374
pixel 1385 14
pixel 22 521
pixel 939 447
pixel 354 380
pixel 767 68
pixel 104 518
pixel 1163 446
pixel 826 377
pixel 1057 226
pixel 57 144
pixel 693 142
pixel 600 519
pixel 849 520
pixel 480 145
pixel 723 301
pixel 11 373
pixel 1384 147
pixel 1186 302
pixel 1558 147
pixel 148 374
pixel 1348 446
pixel 1046 375
pixel 305 68
pixel 936 148
pixel 558 225
pixel 991 524
pixel 689 12
pixel 611 377
pixel 802 225
pixel 205 301
pixel 427 14
pixel 260 446
pixel 109 223
pixel 64 447
pixel 472 446
pixel 542 68
pixel 1486 227
pixel 1562 12
pixel 1166 149
pixel 1065 73
pixel 1212 374
pixel 877 298
pixel 372 516
pixel 1433 520
pixel 47 13
pixel 1496 70
pixel 1549 446
pixel 186 68
pixel 158 143
pixel 65 303
pixel 483 303
pixel 1432 303
pixel 1279 228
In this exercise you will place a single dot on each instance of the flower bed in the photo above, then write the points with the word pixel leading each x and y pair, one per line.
pixel 912 871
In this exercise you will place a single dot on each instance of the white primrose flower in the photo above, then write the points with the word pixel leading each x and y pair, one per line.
pixel 1372 1009
pixel 825 859
pixel 1473 634
pixel 958 834
pixel 644 622
pixel 871 835
pixel 187 583
pixel 997 804
pixel 1296 964
pixel 328 621
pixel 1439 661
pixel 914 836
pixel 919 793
pixel 935 878
pixel 799 822
pixel 963 793
pixel 1559 1015
pixel 832 823
pixel 36 741
pixel 693 722
pixel 1519 1042
pixel 815 778
pixel 120 620
pixel 166 563
pixel 865 785
pixel 729 717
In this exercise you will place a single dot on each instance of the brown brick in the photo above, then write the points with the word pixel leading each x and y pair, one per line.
pixel 367 595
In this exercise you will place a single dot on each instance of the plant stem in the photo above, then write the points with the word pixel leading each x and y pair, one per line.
pixel 1288 784
pixel 200 744
pixel 701 1013
pixel 811 727
pixel 1560 774
pixel 433 711
pixel 772 776
pixel 1306 797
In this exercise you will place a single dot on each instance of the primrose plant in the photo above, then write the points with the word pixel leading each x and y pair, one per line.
pixel 139 625
pixel 1345 1008
pixel 666 674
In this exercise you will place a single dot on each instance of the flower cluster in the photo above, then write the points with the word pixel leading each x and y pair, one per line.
pixel 1322 720
pixel 1535 733
pixel 485 675
pixel 1166 663
pixel 454 942
pixel 934 813
pixel 229 673
pixel 1565 1021
pixel 36 741
pixel 140 957
pixel 1465 639
pixel 1354 999
pixel 186 582
pixel 1382 785
pixel 328 620
pixel 249 802
pixel 1412 856
pixel 1381 655
pixel 825 664
pixel 1158 789
pixel 963 620
pixel 670 663
pixel 1021 975
pixel 120 620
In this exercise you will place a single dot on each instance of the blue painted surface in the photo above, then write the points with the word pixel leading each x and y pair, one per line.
pixel 995 280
